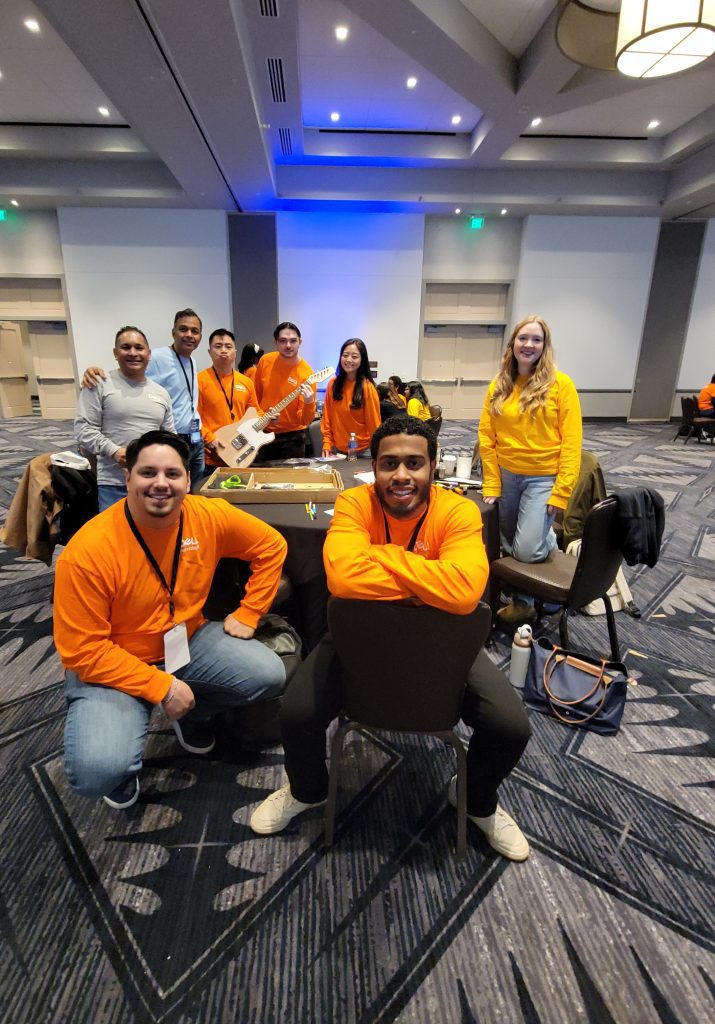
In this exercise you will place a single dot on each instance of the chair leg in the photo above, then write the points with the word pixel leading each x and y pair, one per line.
pixel 336 751
pixel 563 628
pixel 454 741
pixel 612 634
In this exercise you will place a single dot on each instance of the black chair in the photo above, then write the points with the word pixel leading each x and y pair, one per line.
pixel 692 424
pixel 573 582
pixel 404 669
pixel 314 447
pixel 435 420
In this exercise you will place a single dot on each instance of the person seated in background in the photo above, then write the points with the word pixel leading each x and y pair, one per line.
pixel 402 539
pixel 224 393
pixel 397 391
pixel 706 399
pixel 277 375
pixel 118 409
pixel 530 442
pixel 351 404
pixel 174 367
pixel 128 625
pixel 250 357
pixel 417 401
pixel 388 407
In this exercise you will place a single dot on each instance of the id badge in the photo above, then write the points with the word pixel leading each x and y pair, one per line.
pixel 195 430
pixel 176 648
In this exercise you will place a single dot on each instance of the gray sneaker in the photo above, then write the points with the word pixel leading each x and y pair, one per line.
pixel 501 831
pixel 124 795
pixel 277 811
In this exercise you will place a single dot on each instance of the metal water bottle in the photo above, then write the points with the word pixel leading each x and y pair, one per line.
pixel 352 449
pixel 520 656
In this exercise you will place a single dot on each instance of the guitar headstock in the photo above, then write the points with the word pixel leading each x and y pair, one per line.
pixel 323 374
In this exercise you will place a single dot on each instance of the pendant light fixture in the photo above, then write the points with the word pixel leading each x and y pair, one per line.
pixel 662 37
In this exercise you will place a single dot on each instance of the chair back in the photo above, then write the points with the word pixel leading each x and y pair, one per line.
pixel 600 557
pixel 688 407
pixel 315 439
pixel 405 667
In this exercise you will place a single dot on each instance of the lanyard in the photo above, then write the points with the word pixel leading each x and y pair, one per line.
pixel 189 387
pixel 413 538
pixel 229 404
pixel 153 562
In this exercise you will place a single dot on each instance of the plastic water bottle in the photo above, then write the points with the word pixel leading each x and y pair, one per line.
pixel 520 657
pixel 352 449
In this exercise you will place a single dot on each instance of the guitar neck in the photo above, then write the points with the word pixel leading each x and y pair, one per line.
pixel 275 409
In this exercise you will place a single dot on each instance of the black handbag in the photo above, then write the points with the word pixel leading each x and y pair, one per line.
pixel 578 690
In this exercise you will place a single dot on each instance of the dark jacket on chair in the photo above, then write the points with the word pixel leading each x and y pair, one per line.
pixel 640 522
pixel 590 488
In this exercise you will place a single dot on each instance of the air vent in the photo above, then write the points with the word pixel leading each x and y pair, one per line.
pixel 275 74
pixel 285 140
pixel 268 8
pixel 383 131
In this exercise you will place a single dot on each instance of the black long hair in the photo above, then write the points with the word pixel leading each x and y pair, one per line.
pixel 250 354
pixel 417 391
pixel 363 374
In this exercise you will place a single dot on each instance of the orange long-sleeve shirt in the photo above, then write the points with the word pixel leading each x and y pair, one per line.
pixel 250 371
pixel 340 421
pixel 706 398
pixel 214 409
pixel 110 610
pixel 547 444
pixel 447 569
pixel 275 379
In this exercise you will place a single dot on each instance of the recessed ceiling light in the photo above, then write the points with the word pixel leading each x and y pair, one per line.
pixel 652 125
pixel 536 122
pixel 14 202
pixel 335 116
pixel 411 82
pixel 32 24
pixel 104 111
pixel 458 209
pixel 457 119
pixel 341 33
pixel 504 211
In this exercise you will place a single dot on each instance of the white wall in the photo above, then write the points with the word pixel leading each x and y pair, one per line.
pixel 454 252
pixel 589 277
pixel 139 267
pixel 30 244
pixel 698 363
pixel 353 275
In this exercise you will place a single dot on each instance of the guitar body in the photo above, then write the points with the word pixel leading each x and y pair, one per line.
pixel 242 441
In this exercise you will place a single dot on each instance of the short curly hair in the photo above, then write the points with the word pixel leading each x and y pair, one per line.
pixel 401 423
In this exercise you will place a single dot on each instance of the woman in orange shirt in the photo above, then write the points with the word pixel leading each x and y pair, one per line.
pixel 352 405
pixel 250 357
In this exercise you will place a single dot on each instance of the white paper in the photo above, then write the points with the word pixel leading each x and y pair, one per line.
pixel 176 648
pixel 367 477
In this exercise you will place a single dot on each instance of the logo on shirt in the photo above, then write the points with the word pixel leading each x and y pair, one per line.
pixel 189 544
pixel 292 380
pixel 240 387
pixel 422 545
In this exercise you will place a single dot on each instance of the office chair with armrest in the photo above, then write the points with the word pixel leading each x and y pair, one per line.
pixel 409 677
pixel 435 420
pixel 573 582
pixel 692 424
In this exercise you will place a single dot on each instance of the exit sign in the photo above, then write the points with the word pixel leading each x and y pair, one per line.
pixel 477 223
pixel 3 214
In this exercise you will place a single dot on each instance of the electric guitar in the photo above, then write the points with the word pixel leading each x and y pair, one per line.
pixel 243 440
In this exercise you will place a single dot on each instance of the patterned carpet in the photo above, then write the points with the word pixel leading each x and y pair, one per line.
pixel 175 912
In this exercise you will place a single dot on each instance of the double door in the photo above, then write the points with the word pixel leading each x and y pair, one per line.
pixel 457 363
pixel 49 350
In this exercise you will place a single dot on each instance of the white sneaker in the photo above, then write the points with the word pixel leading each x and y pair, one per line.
pixel 501 831
pixel 277 811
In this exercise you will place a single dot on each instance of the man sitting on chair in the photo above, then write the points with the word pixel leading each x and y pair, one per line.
pixel 402 539
pixel 129 590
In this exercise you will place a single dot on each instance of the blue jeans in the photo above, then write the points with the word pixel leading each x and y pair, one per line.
pixel 196 460
pixel 524 523
pixel 106 728
pixel 109 494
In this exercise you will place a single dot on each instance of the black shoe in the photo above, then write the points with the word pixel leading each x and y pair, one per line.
pixel 124 795
pixel 196 737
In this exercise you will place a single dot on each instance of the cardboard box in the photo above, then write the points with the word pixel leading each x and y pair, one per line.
pixel 280 485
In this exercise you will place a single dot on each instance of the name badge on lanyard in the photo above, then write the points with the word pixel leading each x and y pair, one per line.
pixel 176 641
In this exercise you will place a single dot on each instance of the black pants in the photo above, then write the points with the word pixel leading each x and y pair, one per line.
pixel 289 445
pixel 313 699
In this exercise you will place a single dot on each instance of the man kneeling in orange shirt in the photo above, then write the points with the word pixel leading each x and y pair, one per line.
pixel 398 539
pixel 128 625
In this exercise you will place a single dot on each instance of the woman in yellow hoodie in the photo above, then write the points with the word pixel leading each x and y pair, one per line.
pixel 530 436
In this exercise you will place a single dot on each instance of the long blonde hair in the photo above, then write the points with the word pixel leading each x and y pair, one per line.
pixel 534 392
